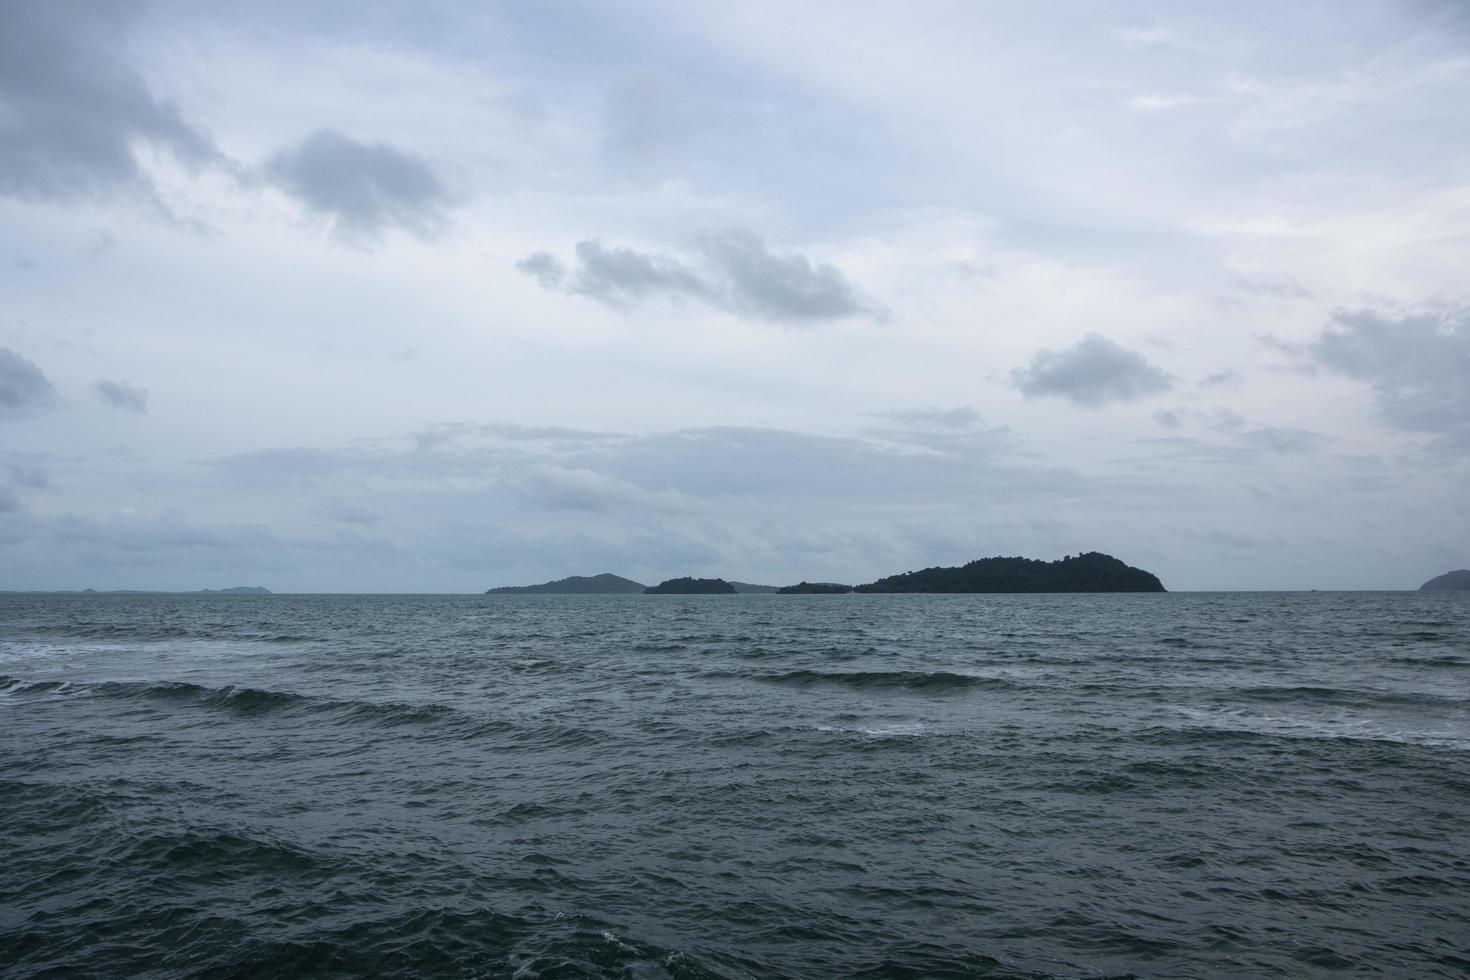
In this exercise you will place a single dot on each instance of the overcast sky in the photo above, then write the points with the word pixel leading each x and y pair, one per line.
pixel 440 296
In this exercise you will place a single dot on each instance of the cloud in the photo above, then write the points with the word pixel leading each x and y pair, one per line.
pixel 365 188
pixel 120 394
pixel 24 390
pixel 619 277
pixel 544 267
pixel 1093 372
pixel 559 488
pixel 1417 364
pixel 1288 441
pixel 72 110
pixel 736 273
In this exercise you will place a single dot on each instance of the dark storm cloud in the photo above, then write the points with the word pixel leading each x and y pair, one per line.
pixel 120 394
pixel 24 390
pixel 1093 372
pixel 737 274
pixel 365 188
pixel 1418 365
pixel 72 107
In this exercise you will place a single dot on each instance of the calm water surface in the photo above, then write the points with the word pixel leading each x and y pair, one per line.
pixel 1182 785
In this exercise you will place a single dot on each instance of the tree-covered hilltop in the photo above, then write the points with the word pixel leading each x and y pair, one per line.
pixel 1456 581
pixel 1092 572
pixel 604 584
pixel 691 586
pixel 814 588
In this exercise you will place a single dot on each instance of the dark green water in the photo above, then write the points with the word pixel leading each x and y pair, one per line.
pixel 818 786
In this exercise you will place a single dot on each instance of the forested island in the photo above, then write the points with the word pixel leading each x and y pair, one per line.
pixel 691 586
pixel 604 584
pixel 1456 581
pixel 1090 572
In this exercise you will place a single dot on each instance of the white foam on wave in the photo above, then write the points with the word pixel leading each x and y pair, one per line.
pixel 1346 726
pixel 879 731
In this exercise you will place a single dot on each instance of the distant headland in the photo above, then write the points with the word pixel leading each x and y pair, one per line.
pixel 1456 581
pixel 1090 572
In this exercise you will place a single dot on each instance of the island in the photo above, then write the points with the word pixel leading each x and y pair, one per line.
pixel 1092 572
pixel 604 584
pixel 1456 581
pixel 747 588
pixel 814 588
pixel 691 586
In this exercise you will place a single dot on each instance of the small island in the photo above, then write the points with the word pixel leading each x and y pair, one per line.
pixel 691 586
pixel 1092 572
pixel 814 588
pixel 1456 581
pixel 604 584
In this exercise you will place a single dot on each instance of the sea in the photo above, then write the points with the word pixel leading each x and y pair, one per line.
pixel 1167 785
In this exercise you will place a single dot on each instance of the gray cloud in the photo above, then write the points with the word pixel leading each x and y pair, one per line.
pixel 120 394
pixel 9 502
pixel 1093 372
pixel 1289 441
pixel 365 188
pixel 544 267
pixel 24 390
pixel 1418 365
pixel 737 274
pixel 619 277
pixel 72 108
pixel 29 476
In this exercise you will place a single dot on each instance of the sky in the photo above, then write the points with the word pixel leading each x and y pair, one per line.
pixel 434 297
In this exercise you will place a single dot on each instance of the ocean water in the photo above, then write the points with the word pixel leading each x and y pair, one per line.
pixel 1180 785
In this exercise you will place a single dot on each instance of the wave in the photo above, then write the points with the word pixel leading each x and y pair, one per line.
pixel 913 680
pixel 920 680
pixel 1342 697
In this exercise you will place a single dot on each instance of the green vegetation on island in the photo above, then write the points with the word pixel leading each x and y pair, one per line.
pixel 692 586
pixel 1092 572
pixel 604 584
pixel 1456 581
pixel 814 588
pixel 746 588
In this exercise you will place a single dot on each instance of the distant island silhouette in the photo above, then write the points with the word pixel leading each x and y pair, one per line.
pixel 604 584
pixel 814 588
pixel 1090 572
pixel 691 586
pixel 1456 581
